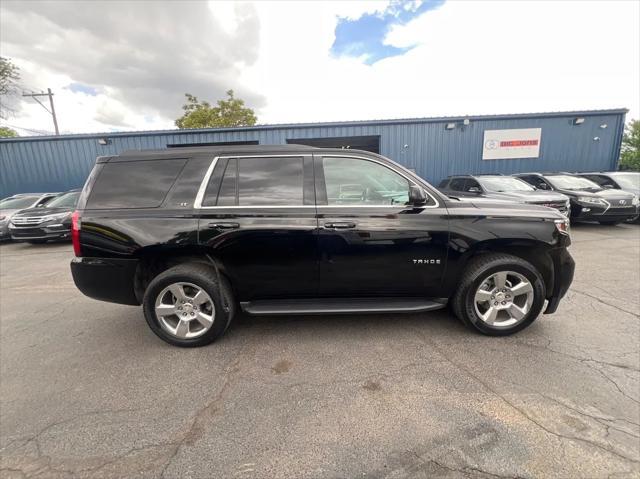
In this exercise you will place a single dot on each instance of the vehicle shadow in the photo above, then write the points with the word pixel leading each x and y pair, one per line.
pixel 441 322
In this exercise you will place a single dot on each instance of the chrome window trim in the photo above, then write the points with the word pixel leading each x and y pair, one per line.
pixel 205 182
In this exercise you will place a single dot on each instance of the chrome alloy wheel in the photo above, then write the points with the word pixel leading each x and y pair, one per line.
pixel 503 299
pixel 185 310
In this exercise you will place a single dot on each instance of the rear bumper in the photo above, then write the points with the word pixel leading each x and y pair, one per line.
pixel 563 268
pixel 109 279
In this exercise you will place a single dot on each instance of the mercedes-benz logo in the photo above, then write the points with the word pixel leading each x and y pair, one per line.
pixel 491 144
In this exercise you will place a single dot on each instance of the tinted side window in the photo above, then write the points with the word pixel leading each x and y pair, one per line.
pixel 457 184
pixel 600 180
pixel 270 181
pixel 134 184
pixel 44 200
pixel 540 183
pixel 471 183
pixel 528 179
pixel 352 181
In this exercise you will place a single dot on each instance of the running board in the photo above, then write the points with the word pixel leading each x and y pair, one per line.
pixel 342 306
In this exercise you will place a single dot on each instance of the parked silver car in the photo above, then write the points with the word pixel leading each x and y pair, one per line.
pixel 11 205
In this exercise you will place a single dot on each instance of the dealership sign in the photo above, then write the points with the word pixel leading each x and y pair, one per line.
pixel 511 144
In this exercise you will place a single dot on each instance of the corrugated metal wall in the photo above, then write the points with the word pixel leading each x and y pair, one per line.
pixel 61 163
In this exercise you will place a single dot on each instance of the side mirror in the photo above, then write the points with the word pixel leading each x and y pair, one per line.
pixel 475 190
pixel 417 196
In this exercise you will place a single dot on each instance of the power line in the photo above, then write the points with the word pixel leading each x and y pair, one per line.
pixel 52 112
pixel 40 132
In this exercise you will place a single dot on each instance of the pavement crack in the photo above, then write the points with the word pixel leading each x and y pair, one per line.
pixel 520 410
pixel 209 410
pixel 600 300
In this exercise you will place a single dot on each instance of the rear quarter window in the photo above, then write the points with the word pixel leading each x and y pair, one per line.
pixel 134 184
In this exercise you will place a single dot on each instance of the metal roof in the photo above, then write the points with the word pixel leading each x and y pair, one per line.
pixel 277 126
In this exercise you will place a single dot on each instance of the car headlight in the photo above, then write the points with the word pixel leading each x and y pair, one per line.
pixel 562 226
pixel 592 201
pixel 57 216
pixel 635 201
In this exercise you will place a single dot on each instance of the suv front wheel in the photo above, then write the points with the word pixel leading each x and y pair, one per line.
pixel 499 294
pixel 189 305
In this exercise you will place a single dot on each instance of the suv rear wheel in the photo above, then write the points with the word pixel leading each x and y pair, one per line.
pixel 189 305
pixel 499 294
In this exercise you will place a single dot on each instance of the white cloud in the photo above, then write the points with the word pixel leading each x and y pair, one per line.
pixel 470 58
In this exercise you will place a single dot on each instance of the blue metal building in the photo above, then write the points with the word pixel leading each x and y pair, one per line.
pixel 433 147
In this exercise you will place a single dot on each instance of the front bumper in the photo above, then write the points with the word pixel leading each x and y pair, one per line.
pixel 563 268
pixel 55 231
pixel 106 279
pixel 584 212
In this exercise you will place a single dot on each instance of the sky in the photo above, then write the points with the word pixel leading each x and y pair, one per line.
pixel 126 65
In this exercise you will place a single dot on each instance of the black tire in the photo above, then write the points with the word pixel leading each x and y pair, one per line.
pixel 480 268
pixel 610 223
pixel 37 241
pixel 205 277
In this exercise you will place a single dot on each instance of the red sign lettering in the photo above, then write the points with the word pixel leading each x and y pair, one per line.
pixel 510 143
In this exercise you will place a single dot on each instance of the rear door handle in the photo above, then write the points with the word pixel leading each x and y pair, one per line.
pixel 340 225
pixel 224 226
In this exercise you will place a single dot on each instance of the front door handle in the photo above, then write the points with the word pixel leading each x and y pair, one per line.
pixel 340 225
pixel 224 226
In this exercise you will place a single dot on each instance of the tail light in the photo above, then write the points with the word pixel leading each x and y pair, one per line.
pixel 76 223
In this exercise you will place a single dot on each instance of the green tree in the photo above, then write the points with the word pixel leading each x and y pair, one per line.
pixel 9 76
pixel 6 132
pixel 630 152
pixel 227 113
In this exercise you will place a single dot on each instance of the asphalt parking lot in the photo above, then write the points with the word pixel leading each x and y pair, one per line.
pixel 87 390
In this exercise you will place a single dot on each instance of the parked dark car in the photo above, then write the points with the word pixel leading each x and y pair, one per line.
pixel 193 233
pixel 500 187
pixel 45 223
pixel 13 204
pixel 589 202
pixel 628 181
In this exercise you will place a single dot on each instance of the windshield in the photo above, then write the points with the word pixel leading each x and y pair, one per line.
pixel 68 200
pixel 503 183
pixel 628 180
pixel 17 203
pixel 566 182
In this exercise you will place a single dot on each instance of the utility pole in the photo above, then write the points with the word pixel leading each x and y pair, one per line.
pixel 52 112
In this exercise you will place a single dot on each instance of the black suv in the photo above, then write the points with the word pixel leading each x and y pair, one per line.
pixel 589 201
pixel 500 187
pixel 192 233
